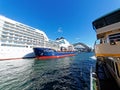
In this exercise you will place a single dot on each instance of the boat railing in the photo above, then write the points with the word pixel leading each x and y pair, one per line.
pixel 94 81
pixel 96 42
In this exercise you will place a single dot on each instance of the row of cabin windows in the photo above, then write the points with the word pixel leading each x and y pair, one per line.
pixel 10 45
pixel 21 42
pixel 111 38
pixel 21 27
pixel 15 42
pixel 34 34
pixel 115 37
pixel 8 24
pixel 20 39
pixel 12 35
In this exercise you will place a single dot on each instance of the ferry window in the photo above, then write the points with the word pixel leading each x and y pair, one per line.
pixel 118 69
pixel 115 37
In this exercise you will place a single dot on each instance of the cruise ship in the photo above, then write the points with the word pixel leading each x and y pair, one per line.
pixel 17 40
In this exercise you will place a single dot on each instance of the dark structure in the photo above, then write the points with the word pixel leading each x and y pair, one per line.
pixel 81 47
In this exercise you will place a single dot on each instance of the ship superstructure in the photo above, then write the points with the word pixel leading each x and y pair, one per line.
pixel 64 44
pixel 17 40
pixel 107 47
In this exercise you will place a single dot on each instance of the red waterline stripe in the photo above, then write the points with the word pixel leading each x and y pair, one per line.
pixel 52 57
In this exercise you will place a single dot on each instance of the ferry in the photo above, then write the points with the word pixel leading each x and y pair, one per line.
pixel 107 46
pixel 57 49
pixel 17 40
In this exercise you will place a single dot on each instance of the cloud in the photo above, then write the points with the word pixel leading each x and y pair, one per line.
pixel 60 30
pixel 77 38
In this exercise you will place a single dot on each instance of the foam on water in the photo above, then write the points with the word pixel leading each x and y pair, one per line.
pixel 93 57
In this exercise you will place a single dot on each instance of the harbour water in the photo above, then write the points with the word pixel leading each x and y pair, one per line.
pixel 69 73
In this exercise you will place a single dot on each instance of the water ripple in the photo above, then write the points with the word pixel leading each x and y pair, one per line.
pixel 70 73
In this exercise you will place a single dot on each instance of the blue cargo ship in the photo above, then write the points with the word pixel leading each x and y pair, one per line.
pixel 55 49
pixel 46 53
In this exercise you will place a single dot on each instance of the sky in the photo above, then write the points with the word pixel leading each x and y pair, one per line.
pixel 71 19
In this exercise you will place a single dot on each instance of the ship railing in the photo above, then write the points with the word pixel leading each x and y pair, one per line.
pixel 96 42
pixel 94 81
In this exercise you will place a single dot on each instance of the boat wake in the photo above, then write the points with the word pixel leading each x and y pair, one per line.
pixel 93 57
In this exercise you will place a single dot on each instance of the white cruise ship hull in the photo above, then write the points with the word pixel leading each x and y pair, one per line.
pixel 7 53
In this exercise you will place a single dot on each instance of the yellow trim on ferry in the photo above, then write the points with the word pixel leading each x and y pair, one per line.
pixel 110 55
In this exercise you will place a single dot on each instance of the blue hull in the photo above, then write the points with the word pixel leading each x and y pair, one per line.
pixel 44 53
